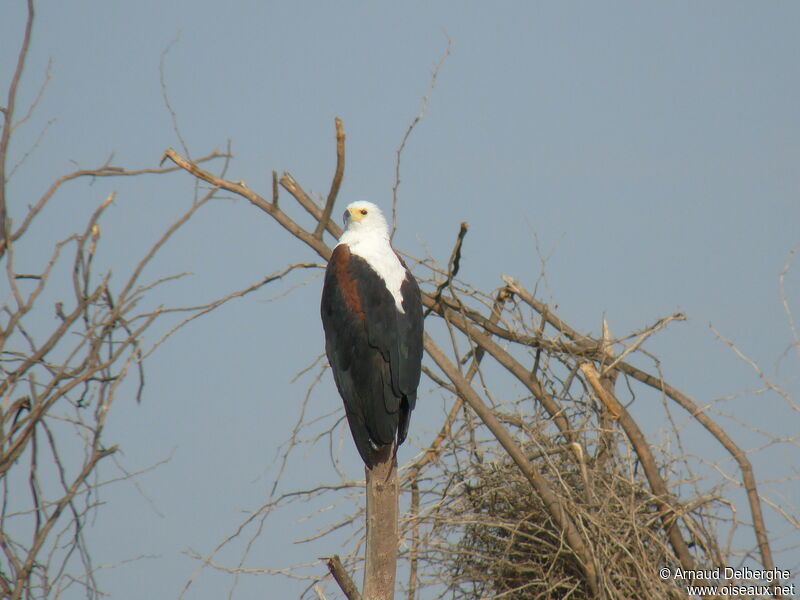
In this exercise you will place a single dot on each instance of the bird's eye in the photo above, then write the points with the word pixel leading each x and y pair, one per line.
pixel 363 211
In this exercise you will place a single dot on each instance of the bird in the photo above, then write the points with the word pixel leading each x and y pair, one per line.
pixel 372 317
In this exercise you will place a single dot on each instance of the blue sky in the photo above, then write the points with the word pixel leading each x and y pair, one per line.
pixel 651 150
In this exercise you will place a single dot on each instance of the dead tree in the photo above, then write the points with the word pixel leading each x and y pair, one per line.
pixel 69 339
pixel 559 458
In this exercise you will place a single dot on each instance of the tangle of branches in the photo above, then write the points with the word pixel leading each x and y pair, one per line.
pixel 554 493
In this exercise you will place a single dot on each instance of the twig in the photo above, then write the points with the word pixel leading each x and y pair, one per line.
pixel 453 265
pixel 41 536
pixel 424 109
pixel 204 309
pixel 165 95
pixel 660 324
pixel 103 171
pixel 290 185
pixel 282 218
pixel 756 369
pixel 8 125
pixel 784 300
pixel 335 184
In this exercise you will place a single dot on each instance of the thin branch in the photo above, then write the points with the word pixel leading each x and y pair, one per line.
pixel 453 265
pixel 756 369
pixel 104 171
pixel 204 309
pixel 42 535
pixel 660 324
pixel 784 300
pixel 335 184
pixel 8 125
pixel 289 183
pixel 424 109
pixel 48 76
pixel 165 94
pixel 237 188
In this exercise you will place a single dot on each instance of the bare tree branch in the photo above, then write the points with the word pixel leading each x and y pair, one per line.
pixel 424 109
pixel 8 125
pixel 335 184
pixel 237 188
pixel 339 573
pixel 104 171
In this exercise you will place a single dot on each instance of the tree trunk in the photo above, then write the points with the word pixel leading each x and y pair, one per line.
pixel 382 513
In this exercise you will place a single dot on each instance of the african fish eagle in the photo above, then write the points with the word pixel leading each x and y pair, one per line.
pixel 372 316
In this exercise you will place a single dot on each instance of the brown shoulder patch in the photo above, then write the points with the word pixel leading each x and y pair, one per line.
pixel 347 285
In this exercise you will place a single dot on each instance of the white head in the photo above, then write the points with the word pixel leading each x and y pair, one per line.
pixel 367 235
pixel 365 218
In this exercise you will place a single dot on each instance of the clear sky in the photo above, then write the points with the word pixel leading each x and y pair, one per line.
pixel 652 150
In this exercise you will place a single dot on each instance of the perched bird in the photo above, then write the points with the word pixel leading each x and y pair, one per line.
pixel 372 316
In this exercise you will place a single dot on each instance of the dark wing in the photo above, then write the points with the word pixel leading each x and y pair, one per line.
pixel 409 347
pixel 346 345
pixel 370 346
